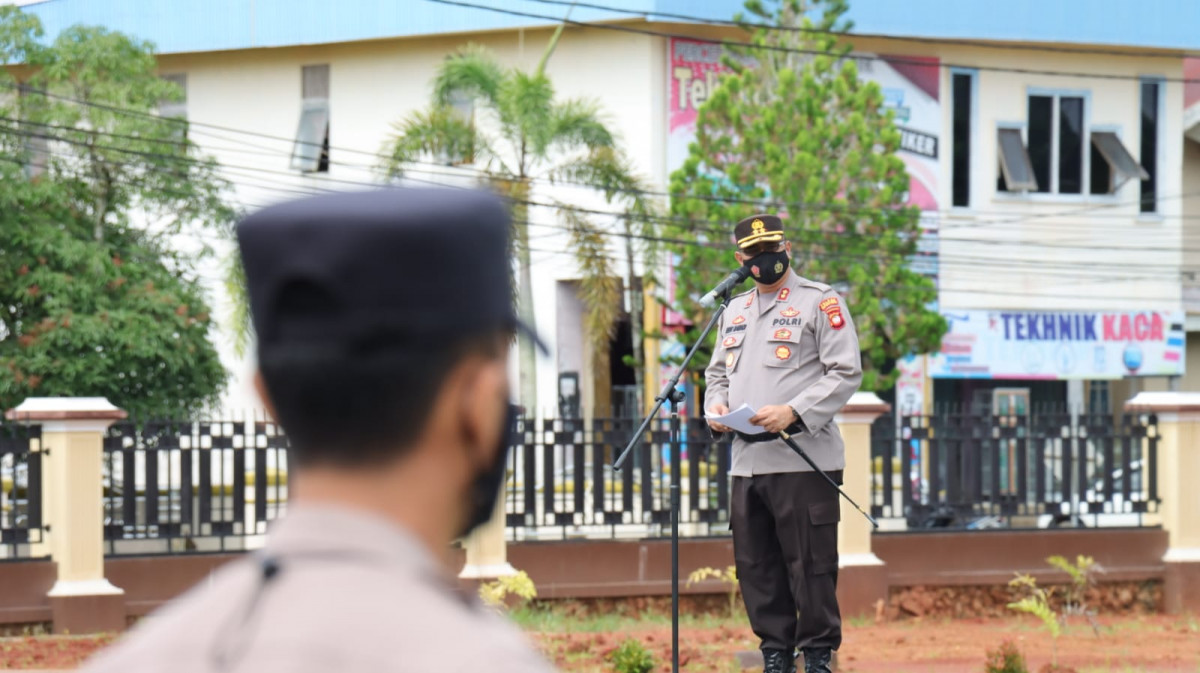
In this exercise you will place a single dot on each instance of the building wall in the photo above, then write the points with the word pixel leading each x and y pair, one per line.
pixel 1062 252
pixel 376 84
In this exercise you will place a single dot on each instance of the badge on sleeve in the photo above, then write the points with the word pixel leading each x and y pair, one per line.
pixel 833 311
pixel 783 352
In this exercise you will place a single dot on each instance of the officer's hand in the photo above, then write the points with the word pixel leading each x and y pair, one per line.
pixel 718 410
pixel 773 417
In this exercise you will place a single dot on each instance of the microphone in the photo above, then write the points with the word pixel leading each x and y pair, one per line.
pixel 731 281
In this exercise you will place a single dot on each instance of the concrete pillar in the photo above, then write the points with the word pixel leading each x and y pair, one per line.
pixel 487 548
pixel 81 600
pixel 862 577
pixel 1178 468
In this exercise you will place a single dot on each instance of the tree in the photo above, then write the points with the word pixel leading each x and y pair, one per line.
pixel 93 187
pixel 793 128
pixel 519 135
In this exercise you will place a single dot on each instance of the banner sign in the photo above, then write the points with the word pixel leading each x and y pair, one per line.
pixel 1007 344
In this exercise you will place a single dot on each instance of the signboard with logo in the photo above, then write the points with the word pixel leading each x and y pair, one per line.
pixel 1005 344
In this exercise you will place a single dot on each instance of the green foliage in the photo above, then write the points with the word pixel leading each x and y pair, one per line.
pixel 1035 600
pixel 803 130
pixel 728 577
pixel 519 586
pixel 1083 575
pixel 632 657
pixel 519 133
pixel 1005 659
pixel 95 302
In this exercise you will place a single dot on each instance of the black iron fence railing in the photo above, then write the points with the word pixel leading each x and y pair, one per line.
pixel 1052 469
pixel 20 491
pixel 174 487
pixel 179 487
pixel 561 483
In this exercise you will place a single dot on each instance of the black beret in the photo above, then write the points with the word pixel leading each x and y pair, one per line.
pixel 345 273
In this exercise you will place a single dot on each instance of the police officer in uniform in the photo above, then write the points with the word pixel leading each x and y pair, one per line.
pixel 383 322
pixel 787 348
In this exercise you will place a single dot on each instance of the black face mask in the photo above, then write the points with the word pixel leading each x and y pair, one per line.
pixel 485 486
pixel 767 267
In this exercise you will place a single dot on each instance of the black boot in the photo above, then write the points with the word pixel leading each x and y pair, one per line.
pixel 778 661
pixel 817 660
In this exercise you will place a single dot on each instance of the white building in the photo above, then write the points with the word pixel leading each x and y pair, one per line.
pixel 1063 107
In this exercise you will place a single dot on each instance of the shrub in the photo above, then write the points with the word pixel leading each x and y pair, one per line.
pixel 1005 659
pixel 519 586
pixel 728 577
pixel 632 657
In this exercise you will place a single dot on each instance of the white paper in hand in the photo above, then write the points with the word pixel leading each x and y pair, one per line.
pixel 739 419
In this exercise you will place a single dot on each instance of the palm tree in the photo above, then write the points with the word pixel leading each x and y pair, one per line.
pixel 520 134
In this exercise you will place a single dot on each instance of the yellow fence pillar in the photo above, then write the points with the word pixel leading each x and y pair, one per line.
pixel 487 548
pixel 862 576
pixel 1178 470
pixel 81 600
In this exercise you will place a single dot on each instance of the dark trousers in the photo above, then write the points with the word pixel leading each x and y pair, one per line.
pixel 785 546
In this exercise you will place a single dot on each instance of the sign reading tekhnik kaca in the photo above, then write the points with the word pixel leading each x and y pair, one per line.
pixel 1041 345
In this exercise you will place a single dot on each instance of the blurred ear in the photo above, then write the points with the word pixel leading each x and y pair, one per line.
pixel 483 403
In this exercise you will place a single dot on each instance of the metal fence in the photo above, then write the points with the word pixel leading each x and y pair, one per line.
pixel 20 490
pixel 561 482
pixel 177 487
pixel 208 486
pixel 1049 469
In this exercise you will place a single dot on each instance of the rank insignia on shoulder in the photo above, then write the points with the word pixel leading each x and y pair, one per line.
pixel 730 358
pixel 790 312
pixel 783 352
pixel 729 341
pixel 783 334
pixel 783 294
pixel 739 320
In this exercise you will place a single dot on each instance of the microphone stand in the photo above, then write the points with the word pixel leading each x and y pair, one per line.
pixel 670 395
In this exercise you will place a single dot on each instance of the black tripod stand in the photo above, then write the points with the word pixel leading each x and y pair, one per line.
pixel 670 395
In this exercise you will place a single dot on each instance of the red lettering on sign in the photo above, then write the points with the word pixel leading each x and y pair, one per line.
pixel 1156 327
pixel 1110 334
pixel 1141 327
pixel 1126 331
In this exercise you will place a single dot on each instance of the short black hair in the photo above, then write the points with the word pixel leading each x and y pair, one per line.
pixel 366 409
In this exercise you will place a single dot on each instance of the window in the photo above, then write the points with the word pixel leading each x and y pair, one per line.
pixel 1149 153
pixel 1112 164
pixel 962 87
pixel 311 152
pixel 176 109
pixel 1016 170
pixel 1054 147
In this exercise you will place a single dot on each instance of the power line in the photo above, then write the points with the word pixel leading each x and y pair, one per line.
pixel 838 208
pixel 241 172
pixel 1135 52
pixel 809 52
